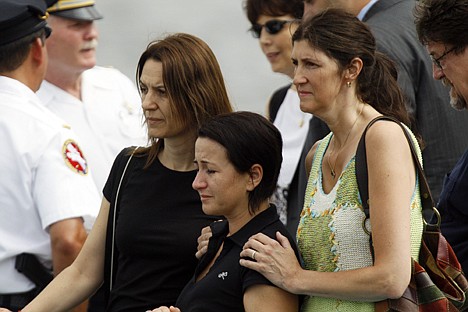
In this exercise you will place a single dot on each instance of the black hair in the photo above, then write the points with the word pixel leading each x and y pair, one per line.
pixel 249 139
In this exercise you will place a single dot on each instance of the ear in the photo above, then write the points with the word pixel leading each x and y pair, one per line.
pixel 354 69
pixel 38 51
pixel 255 177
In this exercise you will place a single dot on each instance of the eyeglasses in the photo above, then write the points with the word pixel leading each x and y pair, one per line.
pixel 272 27
pixel 436 61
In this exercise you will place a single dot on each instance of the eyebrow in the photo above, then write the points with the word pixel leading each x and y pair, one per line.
pixel 152 86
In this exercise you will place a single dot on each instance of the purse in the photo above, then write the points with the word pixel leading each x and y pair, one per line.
pixel 437 280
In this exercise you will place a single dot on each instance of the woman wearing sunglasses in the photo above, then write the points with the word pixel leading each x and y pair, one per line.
pixel 273 22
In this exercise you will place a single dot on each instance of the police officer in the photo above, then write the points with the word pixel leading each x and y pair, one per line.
pixel 44 172
pixel 101 104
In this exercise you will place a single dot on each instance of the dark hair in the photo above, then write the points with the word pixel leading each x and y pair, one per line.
pixel 249 139
pixel 13 54
pixel 342 37
pixel 255 8
pixel 192 78
pixel 444 21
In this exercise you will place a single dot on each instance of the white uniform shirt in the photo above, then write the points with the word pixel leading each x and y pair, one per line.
pixel 43 179
pixel 108 118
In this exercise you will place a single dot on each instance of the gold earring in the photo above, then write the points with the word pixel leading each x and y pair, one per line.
pixel 348 84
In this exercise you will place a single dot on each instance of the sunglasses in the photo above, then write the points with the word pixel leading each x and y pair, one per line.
pixel 272 27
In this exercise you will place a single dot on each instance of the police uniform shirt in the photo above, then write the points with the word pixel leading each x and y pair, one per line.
pixel 108 119
pixel 44 179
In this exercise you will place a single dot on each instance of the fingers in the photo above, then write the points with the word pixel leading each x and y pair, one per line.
pixel 161 309
pixel 283 240
pixel 200 252
pixel 204 235
pixel 249 253
pixel 203 241
pixel 261 243
pixel 259 247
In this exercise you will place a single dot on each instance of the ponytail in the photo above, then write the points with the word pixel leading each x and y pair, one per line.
pixel 377 85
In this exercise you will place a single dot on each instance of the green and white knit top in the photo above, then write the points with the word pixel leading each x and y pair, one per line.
pixel 330 235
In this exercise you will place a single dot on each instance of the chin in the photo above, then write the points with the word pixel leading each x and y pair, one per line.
pixel 457 101
pixel 305 108
pixel 276 68
pixel 209 211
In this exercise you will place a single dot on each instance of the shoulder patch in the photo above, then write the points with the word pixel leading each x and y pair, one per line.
pixel 74 157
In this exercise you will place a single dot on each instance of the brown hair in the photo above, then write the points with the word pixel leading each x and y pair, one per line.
pixel 192 78
pixel 13 54
pixel 443 21
pixel 255 8
pixel 342 37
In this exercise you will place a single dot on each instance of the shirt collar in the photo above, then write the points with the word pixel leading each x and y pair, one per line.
pixel 254 226
pixel 366 9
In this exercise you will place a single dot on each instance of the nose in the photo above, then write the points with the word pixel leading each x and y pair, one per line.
pixel 299 78
pixel 198 183
pixel 91 31
pixel 437 72
pixel 265 37
pixel 147 102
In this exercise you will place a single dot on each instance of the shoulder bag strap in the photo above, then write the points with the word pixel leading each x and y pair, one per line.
pixel 111 279
pixel 362 175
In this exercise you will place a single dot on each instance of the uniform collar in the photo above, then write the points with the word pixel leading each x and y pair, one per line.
pixel 16 87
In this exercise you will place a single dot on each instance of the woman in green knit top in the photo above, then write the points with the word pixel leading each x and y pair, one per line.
pixel 343 80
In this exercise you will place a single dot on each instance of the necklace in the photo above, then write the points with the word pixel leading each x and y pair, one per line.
pixel 332 168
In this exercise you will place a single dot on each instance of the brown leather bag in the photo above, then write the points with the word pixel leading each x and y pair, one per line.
pixel 437 281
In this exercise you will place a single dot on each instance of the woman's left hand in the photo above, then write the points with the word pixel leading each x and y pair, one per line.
pixel 275 260
pixel 165 309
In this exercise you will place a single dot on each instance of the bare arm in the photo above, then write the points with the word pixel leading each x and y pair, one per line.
pixel 391 184
pixel 67 238
pixel 82 278
pixel 267 298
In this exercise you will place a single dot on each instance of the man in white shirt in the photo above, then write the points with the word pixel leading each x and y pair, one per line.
pixel 101 104
pixel 46 190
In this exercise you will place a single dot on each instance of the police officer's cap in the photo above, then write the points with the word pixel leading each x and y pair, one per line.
pixel 81 10
pixel 19 18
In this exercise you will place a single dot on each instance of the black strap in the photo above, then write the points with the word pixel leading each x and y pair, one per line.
pixel 362 175
pixel 34 270
pixel 110 267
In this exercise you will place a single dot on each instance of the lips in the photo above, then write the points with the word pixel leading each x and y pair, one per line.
pixel 303 93
pixel 153 121
pixel 205 197
pixel 272 56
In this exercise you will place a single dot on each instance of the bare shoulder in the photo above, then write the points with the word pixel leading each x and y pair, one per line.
pixel 386 144
pixel 385 133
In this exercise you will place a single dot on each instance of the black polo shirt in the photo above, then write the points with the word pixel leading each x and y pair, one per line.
pixel 222 289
